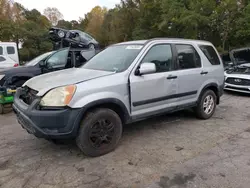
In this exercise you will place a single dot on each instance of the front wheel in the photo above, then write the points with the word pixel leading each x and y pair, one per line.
pixel 100 132
pixel 206 105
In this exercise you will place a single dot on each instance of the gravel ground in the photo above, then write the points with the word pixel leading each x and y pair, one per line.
pixel 174 150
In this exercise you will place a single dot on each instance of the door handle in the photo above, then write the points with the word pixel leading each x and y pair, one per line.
pixel 204 72
pixel 171 77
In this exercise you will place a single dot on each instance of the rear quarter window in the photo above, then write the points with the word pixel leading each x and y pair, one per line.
pixel 211 54
pixel 10 50
pixel 1 50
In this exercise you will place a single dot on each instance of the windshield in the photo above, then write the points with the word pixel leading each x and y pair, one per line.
pixel 115 58
pixel 36 60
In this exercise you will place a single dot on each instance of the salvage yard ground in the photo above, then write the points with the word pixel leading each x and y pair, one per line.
pixel 174 150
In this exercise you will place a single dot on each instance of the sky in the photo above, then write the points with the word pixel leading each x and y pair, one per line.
pixel 72 9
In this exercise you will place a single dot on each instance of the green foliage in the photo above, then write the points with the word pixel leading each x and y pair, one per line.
pixel 226 23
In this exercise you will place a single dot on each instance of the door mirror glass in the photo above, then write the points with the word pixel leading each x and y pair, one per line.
pixel 42 64
pixel 147 68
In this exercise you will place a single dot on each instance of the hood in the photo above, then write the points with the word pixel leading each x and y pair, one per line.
pixel 15 70
pixel 46 82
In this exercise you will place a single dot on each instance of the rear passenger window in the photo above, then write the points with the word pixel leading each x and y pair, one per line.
pixel 188 58
pixel 10 50
pixel 161 56
pixel 1 50
pixel 2 59
pixel 210 54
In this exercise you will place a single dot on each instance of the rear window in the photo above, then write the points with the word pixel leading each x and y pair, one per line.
pixel 1 50
pixel 2 59
pixel 10 50
pixel 211 54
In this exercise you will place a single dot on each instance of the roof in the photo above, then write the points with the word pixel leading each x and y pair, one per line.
pixel 7 43
pixel 143 42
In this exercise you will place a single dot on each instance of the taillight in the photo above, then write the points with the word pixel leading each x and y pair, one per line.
pixel 16 65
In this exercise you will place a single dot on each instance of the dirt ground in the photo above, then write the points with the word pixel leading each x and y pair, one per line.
pixel 174 150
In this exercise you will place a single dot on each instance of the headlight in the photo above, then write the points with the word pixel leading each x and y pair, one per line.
pixel 59 97
pixel 2 76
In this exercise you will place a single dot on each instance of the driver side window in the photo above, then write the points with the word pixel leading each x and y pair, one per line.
pixel 161 56
pixel 58 60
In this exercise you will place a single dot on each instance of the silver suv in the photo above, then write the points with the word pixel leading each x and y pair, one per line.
pixel 126 82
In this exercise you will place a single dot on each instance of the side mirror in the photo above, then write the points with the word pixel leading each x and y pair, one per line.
pixel 42 64
pixel 146 68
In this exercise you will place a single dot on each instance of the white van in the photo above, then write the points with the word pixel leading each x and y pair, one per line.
pixel 8 55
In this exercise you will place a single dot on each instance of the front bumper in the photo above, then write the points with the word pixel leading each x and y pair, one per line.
pixel 51 123
pixel 237 88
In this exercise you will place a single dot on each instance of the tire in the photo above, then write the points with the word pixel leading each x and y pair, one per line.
pixel 91 46
pixel 201 111
pixel 100 132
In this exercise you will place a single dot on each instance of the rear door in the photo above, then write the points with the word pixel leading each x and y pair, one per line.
pixel 6 62
pixel 12 53
pixel 153 93
pixel 190 74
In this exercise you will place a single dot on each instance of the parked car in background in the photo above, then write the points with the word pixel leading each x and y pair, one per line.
pixel 124 83
pixel 8 55
pixel 73 38
pixel 49 62
pixel 238 78
pixel 7 62
pixel 237 70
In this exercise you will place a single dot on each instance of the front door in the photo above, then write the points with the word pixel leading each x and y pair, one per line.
pixel 152 93
pixel 58 61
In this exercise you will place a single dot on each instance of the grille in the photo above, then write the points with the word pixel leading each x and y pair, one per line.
pixel 29 95
pixel 238 81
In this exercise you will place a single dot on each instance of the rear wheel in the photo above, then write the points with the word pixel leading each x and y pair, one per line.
pixel 206 105
pixel 100 132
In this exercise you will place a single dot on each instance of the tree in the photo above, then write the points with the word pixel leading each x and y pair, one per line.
pixel 95 22
pixel 225 18
pixel 53 14
pixel 64 24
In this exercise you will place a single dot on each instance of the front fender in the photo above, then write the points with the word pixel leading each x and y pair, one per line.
pixel 82 102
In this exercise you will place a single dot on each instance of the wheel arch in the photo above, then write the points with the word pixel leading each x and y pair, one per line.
pixel 111 103
pixel 214 87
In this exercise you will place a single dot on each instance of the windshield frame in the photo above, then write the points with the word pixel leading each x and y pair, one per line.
pixel 117 45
